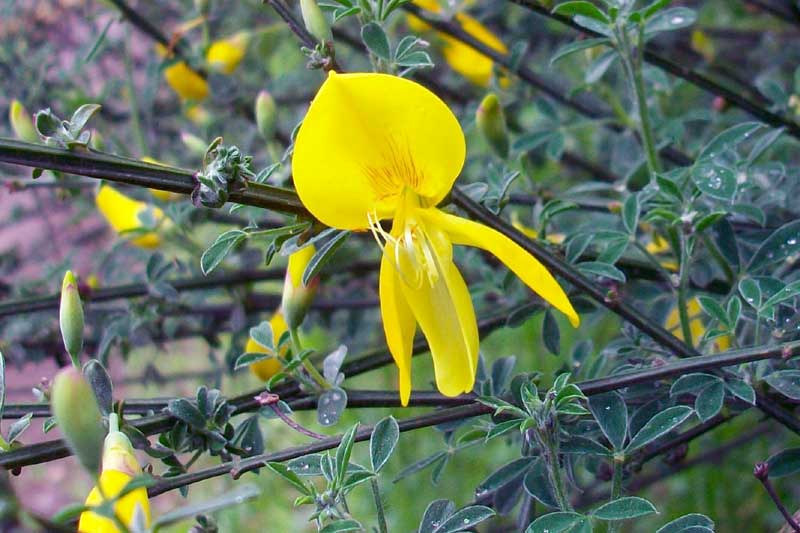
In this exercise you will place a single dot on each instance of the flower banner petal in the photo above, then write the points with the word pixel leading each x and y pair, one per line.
pixel 367 137
pixel 523 264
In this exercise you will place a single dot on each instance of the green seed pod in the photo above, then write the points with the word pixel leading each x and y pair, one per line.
pixel 315 21
pixel 266 115
pixel 71 316
pixel 22 122
pixel 492 124
pixel 75 408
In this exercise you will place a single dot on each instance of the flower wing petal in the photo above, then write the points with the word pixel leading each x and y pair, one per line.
pixel 366 137
pixel 398 325
pixel 523 264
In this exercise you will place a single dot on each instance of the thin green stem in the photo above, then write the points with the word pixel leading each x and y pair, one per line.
pixel 297 347
pixel 136 123
pixel 376 495
pixel 683 302
pixel 616 490
pixel 653 260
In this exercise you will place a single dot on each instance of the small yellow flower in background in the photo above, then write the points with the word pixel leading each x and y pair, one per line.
pixel 658 246
pixel 187 83
pixel 119 467
pixel 123 214
pixel 465 60
pixel 696 325
pixel 22 122
pixel 555 238
pixel 375 147
pixel 198 114
pixel 297 297
pixel 266 368
pixel 164 196
pixel 225 55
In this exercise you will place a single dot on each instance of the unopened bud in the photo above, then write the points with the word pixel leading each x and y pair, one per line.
pixel 492 124
pixel 297 297
pixel 70 317
pixel 266 368
pixel 118 451
pixel 195 144
pixel 266 115
pixel 720 104
pixel 22 122
pixel 75 408
pixel 315 20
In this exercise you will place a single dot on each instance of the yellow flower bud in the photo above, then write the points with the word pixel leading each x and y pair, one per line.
pixel 226 54
pixel 70 318
pixel 297 297
pixel 266 115
pixel 75 408
pixel 315 20
pixel 119 467
pixel 266 368
pixel 492 124
pixel 123 212
pixel 22 123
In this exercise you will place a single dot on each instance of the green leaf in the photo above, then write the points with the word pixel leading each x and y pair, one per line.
pixel 669 20
pixel 81 117
pixel 761 146
pixel 789 291
pixel 263 335
pixel 502 428
pixel 247 359
pixel 742 390
pixel 787 382
pixel 751 292
pixel 784 242
pixel 97 376
pixel 532 140
pixel 709 402
pixel 383 441
pixel 601 269
pixel 581 7
pixel 465 519
pixel 221 247
pixel 185 411
pixel 659 425
pixel 713 309
pixel 611 413
pixel 550 333
pixel 323 255
pixel 19 427
pixel 600 66
pixel 583 446
pixel 784 463
pixel 537 484
pixel 691 383
pixel 630 213
pixel 624 509
pixel 728 139
pixel 232 496
pixel 436 513
pixel 375 38
pixel 685 522
pixel 286 473
pixel 577 46
pixel 343 453
pixel 342 525
pixel 330 406
pixel 654 8
pixel 715 181
pixel 504 475
pixel 559 522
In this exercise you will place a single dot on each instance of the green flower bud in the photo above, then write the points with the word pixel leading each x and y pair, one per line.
pixel 195 144
pixel 492 124
pixel 75 408
pixel 297 297
pixel 266 115
pixel 22 122
pixel 315 21
pixel 71 316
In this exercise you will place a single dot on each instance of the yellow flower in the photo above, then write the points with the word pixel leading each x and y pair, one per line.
pixel 696 325
pixel 266 368
pixel 660 245
pixel 297 297
pixel 225 55
pixel 119 467
pixel 464 59
pixel 187 83
pixel 164 196
pixel 375 147
pixel 123 215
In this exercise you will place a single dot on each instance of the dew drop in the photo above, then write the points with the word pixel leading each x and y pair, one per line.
pixel 677 20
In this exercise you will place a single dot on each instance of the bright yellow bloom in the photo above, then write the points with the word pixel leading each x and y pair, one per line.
pixel 187 83
pixel 225 55
pixel 164 196
pixel 464 59
pixel 696 325
pixel 266 368
pixel 375 147
pixel 123 212
pixel 119 467
pixel 297 297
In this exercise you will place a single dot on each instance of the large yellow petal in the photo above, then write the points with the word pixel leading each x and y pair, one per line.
pixel 113 482
pixel 523 264
pixel 441 304
pixel 365 138
pixel 399 325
